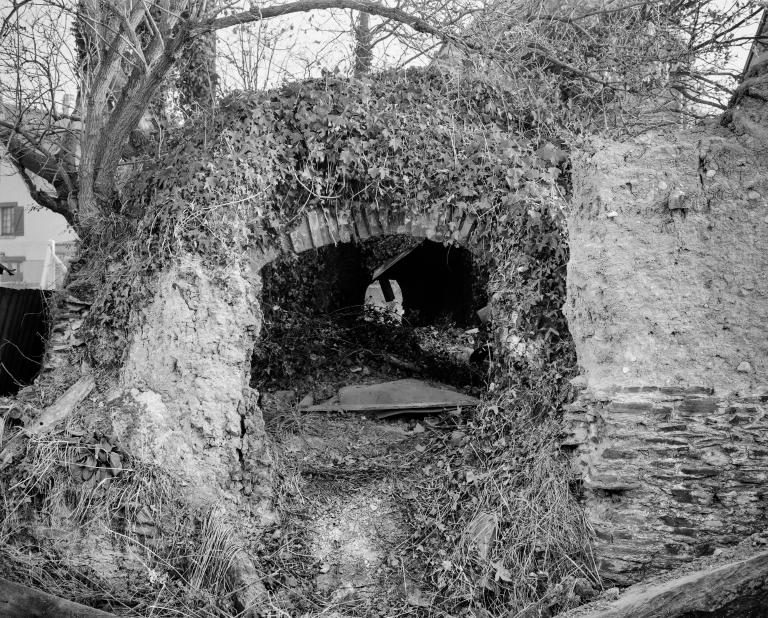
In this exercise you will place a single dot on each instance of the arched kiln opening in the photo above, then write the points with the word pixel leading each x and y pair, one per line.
pixel 351 478
pixel 318 333
pixel 346 392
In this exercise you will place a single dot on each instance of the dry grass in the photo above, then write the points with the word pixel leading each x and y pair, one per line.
pixel 496 518
pixel 127 543
pixel 492 524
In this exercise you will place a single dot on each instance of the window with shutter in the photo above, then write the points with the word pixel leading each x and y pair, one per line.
pixel 7 220
pixel 11 219
pixel 18 221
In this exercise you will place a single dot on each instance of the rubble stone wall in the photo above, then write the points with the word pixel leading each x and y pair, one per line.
pixel 188 367
pixel 669 473
pixel 668 307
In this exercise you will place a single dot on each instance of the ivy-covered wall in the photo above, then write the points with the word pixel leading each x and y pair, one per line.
pixel 178 263
pixel 414 145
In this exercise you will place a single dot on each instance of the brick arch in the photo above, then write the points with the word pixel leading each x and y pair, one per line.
pixel 324 226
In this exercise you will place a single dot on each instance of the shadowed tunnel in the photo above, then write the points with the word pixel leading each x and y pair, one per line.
pixel 314 312
pixel 436 282
pixel 439 283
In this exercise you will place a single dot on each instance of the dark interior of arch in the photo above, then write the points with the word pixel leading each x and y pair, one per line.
pixel 314 317
pixel 437 284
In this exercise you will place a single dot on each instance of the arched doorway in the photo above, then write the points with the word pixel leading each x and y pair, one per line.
pixel 322 293
pixel 339 474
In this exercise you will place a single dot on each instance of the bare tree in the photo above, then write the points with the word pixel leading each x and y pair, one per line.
pixel 253 56
pixel 127 50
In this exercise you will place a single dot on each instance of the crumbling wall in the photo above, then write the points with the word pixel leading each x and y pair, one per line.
pixel 668 307
pixel 667 281
pixel 188 365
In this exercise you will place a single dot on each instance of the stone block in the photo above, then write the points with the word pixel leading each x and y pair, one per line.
pixel 703 406
pixel 345 226
pixel 630 407
pixel 378 221
pixel 703 475
pixel 467 227
pixel 318 229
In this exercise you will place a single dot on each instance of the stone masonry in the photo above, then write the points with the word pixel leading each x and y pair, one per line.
pixel 324 226
pixel 668 306
pixel 669 473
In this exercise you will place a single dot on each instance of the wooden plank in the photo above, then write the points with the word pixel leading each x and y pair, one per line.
pixel 377 407
pixel 18 601
pixel 63 406
pixel 391 262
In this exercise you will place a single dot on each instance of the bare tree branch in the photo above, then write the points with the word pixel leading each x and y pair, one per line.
pixel 6 25
pixel 23 148
pixel 696 99
pixel 303 6
pixel 632 52
pixel 58 205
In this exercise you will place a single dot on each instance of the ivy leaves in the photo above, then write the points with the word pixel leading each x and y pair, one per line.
pixel 417 140
pixel 422 140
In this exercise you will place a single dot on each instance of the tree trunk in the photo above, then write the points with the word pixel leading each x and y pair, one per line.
pixel 363 45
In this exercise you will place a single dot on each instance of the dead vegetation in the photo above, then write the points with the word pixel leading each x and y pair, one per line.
pixel 83 519
pixel 463 514
pixel 482 516
pixel 506 533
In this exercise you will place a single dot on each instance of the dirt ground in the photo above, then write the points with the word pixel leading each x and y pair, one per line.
pixel 345 481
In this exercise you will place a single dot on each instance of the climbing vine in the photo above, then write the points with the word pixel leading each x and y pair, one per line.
pixel 419 141
pixel 422 141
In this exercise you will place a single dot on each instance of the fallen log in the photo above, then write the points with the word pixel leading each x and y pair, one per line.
pixel 62 407
pixel 47 419
pixel 738 588
pixel 18 601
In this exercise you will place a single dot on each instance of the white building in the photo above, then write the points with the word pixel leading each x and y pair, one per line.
pixel 26 232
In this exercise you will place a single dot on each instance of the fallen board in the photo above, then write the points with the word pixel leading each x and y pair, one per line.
pixel 381 270
pixel 398 397
pixel 18 601
pixel 425 406
pixel 63 406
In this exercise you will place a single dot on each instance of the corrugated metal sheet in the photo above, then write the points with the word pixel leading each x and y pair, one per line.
pixel 23 330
